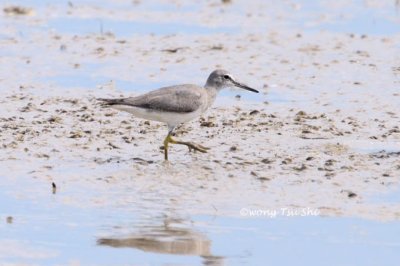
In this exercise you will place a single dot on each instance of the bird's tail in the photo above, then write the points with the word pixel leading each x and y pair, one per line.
pixel 108 102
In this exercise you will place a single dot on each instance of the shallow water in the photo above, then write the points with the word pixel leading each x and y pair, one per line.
pixel 127 28
pixel 357 17
pixel 45 231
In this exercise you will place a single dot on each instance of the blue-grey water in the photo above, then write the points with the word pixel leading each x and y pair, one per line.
pixel 45 231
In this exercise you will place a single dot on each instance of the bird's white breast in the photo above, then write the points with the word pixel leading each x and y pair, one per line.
pixel 170 118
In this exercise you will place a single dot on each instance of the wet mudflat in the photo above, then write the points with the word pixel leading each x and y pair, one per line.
pixel 306 171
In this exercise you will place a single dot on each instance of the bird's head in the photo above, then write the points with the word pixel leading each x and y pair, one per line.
pixel 220 79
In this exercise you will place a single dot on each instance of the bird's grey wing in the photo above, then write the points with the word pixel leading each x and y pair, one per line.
pixel 178 99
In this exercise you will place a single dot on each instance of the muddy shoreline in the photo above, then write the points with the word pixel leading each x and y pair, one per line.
pixel 314 159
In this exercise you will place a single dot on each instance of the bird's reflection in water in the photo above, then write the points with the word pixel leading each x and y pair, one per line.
pixel 172 237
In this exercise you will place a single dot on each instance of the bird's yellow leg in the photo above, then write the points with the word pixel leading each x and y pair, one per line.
pixel 166 142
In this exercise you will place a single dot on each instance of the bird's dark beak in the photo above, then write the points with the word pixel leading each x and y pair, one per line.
pixel 243 86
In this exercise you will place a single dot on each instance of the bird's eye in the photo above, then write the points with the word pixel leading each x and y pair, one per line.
pixel 226 77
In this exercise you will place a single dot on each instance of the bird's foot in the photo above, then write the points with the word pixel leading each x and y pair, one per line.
pixel 194 146
pixel 190 145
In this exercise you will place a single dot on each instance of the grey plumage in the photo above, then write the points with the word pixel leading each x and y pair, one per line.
pixel 184 98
